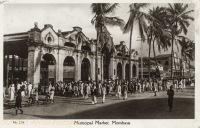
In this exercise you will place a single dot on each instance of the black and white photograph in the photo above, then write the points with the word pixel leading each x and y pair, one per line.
pixel 100 63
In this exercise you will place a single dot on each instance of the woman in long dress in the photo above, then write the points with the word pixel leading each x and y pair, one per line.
pixel 118 90
pixel 52 91
pixel 12 92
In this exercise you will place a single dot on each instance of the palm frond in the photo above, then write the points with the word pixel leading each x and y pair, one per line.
pixel 114 21
pixel 130 22
pixel 111 9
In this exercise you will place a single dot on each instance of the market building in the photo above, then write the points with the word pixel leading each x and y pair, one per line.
pixel 43 55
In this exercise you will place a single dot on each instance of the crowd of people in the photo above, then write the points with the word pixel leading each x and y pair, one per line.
pixel 89 89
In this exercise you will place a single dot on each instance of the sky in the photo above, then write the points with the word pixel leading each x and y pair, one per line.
pixel 21 18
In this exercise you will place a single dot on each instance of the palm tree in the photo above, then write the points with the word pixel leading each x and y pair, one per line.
pixel 178 23
pixel 159 32
pixel 187 50
pixel 136 15
pixel 100 20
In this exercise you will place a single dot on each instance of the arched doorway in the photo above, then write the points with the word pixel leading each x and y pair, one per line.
pixel 134 70
pixel 85 69
pixel 126 71
pixel 48 69
pixel 119 70
pixel 68 69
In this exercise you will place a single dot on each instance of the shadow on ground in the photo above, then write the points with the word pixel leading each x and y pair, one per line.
pixel 136 109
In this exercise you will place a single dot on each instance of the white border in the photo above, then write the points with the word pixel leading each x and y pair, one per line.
pixel 139 123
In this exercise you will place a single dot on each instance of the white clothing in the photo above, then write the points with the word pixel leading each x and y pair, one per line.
pixel 12 92
pixel 18 86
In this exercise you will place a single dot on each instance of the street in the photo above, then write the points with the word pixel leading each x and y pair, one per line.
pixel 139 106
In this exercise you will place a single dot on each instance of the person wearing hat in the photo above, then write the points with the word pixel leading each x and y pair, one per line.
pixel 170 94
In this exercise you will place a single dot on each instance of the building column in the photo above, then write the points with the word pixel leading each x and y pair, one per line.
pixel 30 75
pixel 137 69
pixel 77 67
pixel 111 68
pixel 37 61
pixel 59 66
pixel 131 69
pixel 34 59
pixel 92 68
pixel 123 69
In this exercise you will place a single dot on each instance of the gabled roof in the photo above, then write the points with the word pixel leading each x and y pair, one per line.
pixel 46 26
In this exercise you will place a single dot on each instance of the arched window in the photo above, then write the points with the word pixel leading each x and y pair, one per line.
pixel 49 39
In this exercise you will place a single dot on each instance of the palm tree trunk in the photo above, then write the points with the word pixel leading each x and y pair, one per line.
pixel 183 70
pixel 154 52
pixel 96 61
pixel 149 55
pixel 189 69
pixel 130 54
pixel 175 64
pixel 172 53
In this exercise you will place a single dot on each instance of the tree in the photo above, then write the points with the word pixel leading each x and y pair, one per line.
pixel 136 15
pixel 101 18
pixel 159 32
pixel 178 23
pixel 187 50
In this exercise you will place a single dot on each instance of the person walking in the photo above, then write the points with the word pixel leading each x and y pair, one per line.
pixel 19 85
pixel 132 87
pixel 23 87
pixel 170 94
pixel 140 86
pixel 29 89
pixel 52 92
pixel 118 90
pixel 18 102
pixel 155 87
pixel 180 85
pixel 125 90
pixel 107 87
pixel 103 92
pixel 93 94
pixel 81 89
pixel 12 92
pixel 85 90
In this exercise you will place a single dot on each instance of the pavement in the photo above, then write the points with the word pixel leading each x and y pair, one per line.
pixel 139 106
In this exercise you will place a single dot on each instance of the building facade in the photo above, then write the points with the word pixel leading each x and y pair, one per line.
pixel 180 66
pixel 43 55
